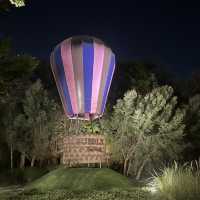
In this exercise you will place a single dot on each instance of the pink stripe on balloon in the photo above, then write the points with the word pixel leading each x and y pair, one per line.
pixel 97 71
pixel 69 73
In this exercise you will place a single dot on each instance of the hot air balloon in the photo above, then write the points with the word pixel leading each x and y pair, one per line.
pixel 83 68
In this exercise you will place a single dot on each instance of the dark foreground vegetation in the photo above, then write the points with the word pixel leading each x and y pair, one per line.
pixel 175 182
pixel 75 183
pixel 135 194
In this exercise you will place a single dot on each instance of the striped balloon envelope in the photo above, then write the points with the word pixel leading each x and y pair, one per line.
pixel 83 68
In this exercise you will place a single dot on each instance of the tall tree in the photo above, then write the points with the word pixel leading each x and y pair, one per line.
pixel 39 113
pixel 145 128
pixel 18 3
pixel 14 69
pixel 5 4
pixel 192 131
pixel 8 133
pixel 15 73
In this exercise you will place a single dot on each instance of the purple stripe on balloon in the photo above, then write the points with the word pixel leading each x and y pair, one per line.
pixel 58 84
pixel 108 81
pixel 69 73
pixel 97 71
pixel 88 60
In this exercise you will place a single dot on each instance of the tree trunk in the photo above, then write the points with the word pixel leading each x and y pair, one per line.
pixel 11 156
pixel 40 163
pixel 141 169
pixel 22 160
pixel 128 169
pixel 33 161
pixel 125 166
pixel 54 161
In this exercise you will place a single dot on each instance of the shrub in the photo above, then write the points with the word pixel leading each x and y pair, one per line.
pixel 178 182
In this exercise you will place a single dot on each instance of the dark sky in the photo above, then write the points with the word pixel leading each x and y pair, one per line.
pixel 166 32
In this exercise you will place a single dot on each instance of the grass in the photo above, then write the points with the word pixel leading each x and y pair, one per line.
pixel 10 191
pixel 21 176
pixel 11 182
pixel 32 173
pixel 173 183
pixel 178 183
pixel 135 194
pixel 80 179
pixel 78 184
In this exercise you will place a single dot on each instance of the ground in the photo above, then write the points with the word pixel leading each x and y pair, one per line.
pixel 75 184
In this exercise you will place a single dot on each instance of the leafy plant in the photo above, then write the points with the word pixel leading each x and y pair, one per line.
pixel 18 3
pixel 178 182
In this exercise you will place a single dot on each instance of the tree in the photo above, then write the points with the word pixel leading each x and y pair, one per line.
pixel 18 3
pixel 144 129
pixel 15 73
pixel 15 70
pixel 192 130
pixel 6 5
pixel 9 129
pixel 39 113
pixel 194 87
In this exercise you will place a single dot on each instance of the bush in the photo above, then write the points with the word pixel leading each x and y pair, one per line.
pixel 178 182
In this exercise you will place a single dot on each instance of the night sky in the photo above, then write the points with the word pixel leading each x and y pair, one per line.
pixel 166 32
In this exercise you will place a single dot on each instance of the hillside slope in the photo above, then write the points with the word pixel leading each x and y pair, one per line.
pixel 82 179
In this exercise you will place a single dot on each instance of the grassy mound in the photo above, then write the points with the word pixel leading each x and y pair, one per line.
pixel 32 173
pixel 80 179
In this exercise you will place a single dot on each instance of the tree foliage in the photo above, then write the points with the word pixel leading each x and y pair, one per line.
pixel 15 73
pixel 145 129
pixel 39 117
pixel 5 5
pixel 18 3
pixel 192 131
pixel 14 69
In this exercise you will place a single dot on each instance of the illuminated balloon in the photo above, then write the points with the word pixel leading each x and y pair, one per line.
pixel 83 68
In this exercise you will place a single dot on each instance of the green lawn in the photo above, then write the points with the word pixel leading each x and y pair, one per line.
pixel 10 191
pixel 135 194
pixel 75 184
pixel 20 176
pixel 80 179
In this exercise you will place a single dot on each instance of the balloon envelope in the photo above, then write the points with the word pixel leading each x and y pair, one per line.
pixel 83 68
